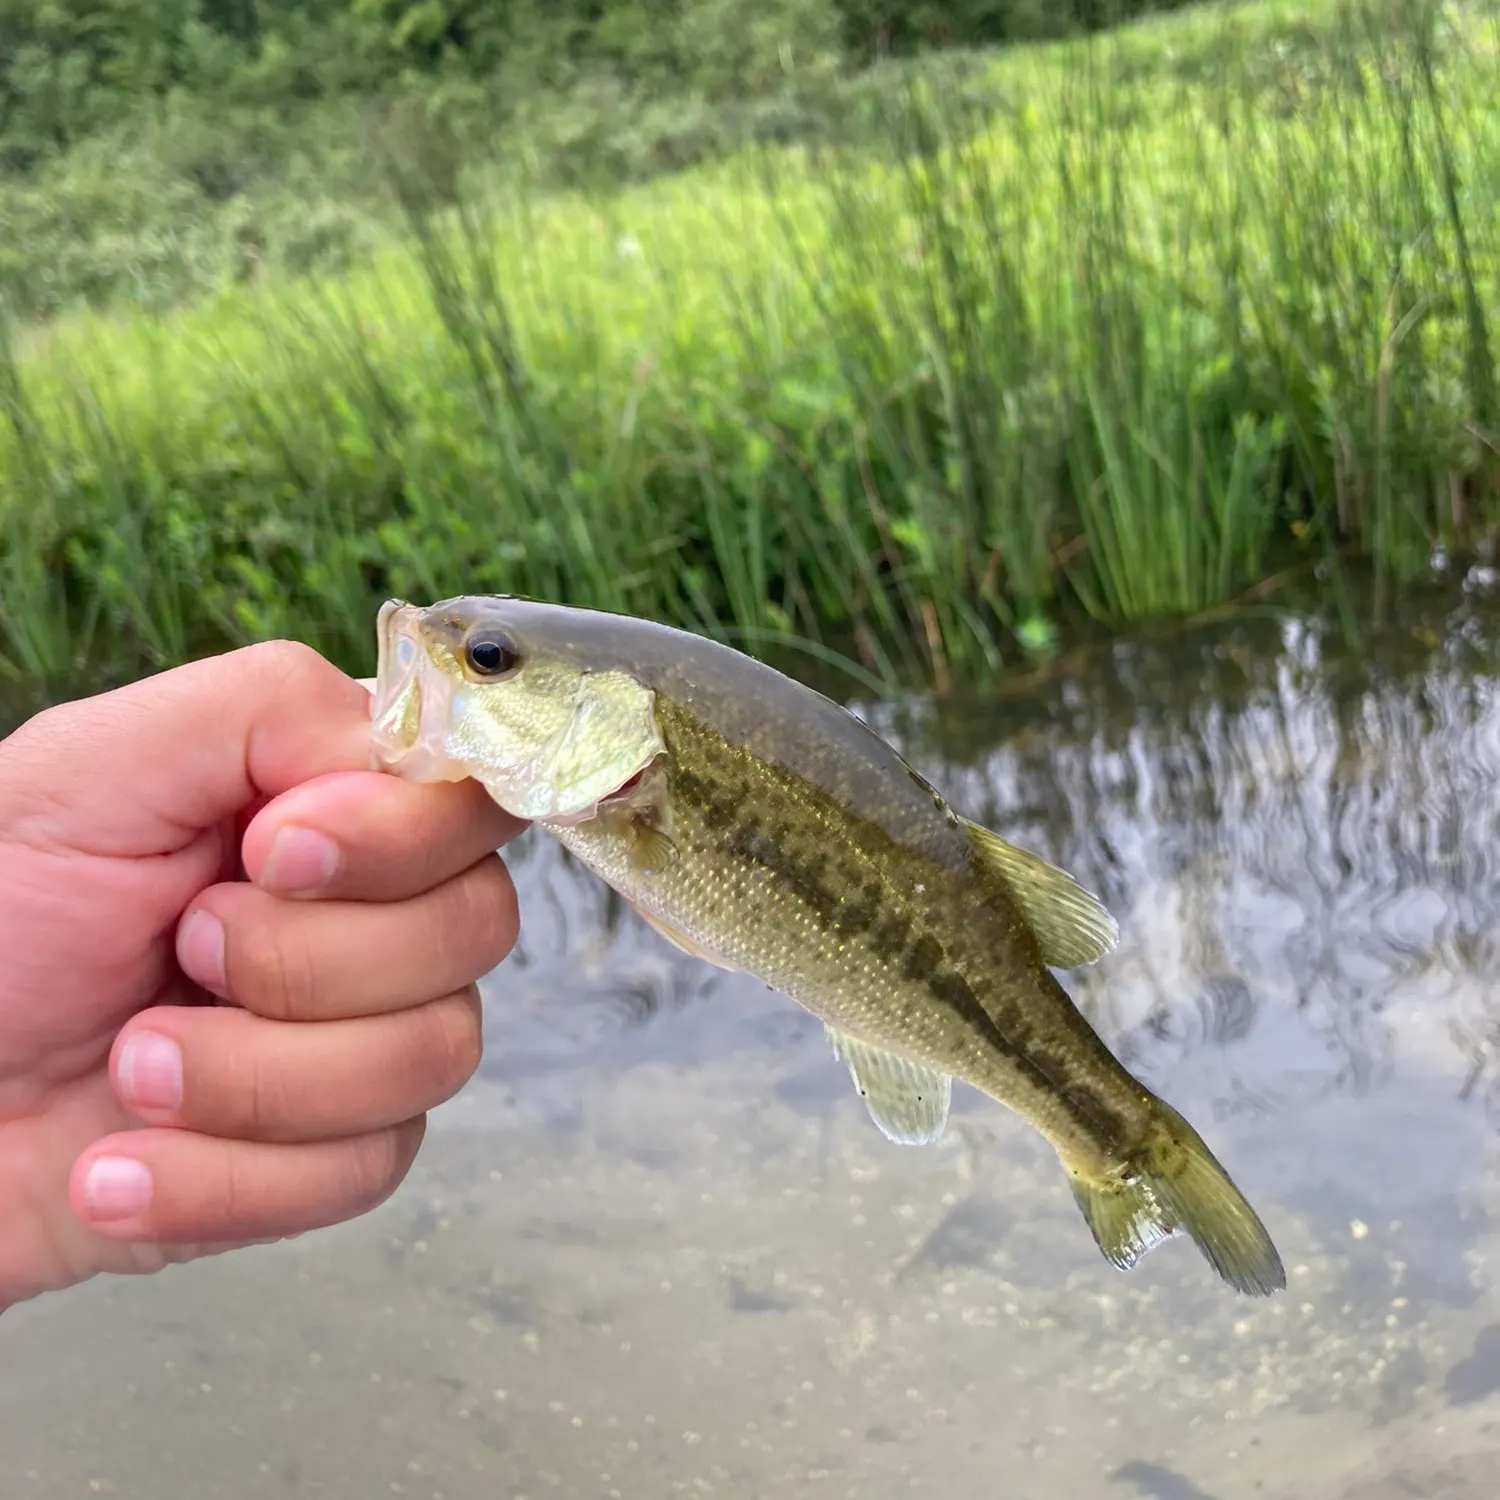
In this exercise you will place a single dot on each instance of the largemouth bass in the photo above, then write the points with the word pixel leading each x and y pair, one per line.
pixel 761 827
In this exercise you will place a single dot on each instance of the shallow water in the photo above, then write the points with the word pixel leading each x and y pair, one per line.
pixel 657 1248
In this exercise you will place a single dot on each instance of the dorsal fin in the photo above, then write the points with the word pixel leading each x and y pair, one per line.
pixel 1070 923
pixel 907 1100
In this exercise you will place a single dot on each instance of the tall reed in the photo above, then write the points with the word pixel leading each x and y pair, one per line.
pixel 1132 342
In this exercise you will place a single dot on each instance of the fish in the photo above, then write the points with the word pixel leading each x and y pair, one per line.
pixel 764 828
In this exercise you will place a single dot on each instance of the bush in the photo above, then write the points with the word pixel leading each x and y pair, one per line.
pixel 72 68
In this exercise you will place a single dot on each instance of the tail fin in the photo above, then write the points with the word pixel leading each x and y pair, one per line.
pixel 1175 1185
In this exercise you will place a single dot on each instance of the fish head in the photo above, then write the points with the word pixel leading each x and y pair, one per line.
pixel 498 689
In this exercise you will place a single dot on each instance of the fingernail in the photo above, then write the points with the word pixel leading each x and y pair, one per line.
pixel 301 861
pixel 200 949
pixel 150 1070
pixel 116 1187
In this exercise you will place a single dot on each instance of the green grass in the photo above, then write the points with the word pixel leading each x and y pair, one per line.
pixel 1194 305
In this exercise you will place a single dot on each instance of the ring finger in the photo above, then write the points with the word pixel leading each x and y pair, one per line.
pixel 178 1188
pixel 229 1073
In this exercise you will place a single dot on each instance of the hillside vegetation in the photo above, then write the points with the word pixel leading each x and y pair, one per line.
pixel 154 150
pixel 1124 327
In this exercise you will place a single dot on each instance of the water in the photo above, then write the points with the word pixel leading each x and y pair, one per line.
pixel 657 1248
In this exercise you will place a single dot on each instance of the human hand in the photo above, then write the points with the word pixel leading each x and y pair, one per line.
pixel 192 1060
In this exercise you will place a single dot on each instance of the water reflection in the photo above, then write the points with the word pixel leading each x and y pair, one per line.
pixel 1298 845
pixel 658 1249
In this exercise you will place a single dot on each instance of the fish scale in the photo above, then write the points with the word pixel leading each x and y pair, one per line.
pixel 824 906
pixel 761 827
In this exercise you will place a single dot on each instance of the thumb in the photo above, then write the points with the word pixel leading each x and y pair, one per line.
pixel 143 769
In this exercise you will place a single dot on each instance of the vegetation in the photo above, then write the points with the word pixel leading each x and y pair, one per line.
pixel 72 67
pixel 158 151
pixel 1172 312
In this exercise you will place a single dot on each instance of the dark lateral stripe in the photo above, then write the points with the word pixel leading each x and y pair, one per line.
pixel 888 932
pixel 889 939
pixel 719 810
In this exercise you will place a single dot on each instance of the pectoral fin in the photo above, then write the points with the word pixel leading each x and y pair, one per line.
pixel 680 939
pixel 1070 923
pixel 907 1100
pixel 650 849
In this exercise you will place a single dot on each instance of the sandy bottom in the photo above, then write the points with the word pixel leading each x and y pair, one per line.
pixel 629 1268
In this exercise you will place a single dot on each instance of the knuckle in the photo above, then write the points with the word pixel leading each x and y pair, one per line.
pixel 267 974
pixel 285 660
pixel 450 1042
pixel 232 1195
pixel 374 1166
pixel 265 1105
pixel 485 913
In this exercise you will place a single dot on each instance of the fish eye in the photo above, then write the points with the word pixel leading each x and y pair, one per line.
pixel 491 655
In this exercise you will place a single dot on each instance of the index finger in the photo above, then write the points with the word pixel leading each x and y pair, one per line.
pixel 181 750
pixel 369 836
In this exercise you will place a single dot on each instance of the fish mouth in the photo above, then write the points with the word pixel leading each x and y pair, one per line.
pixel 597 754
pixel 410 707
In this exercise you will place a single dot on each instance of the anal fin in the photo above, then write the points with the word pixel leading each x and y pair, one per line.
pixel 907 1100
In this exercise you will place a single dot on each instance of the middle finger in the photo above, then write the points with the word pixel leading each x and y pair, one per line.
pixel 324 960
